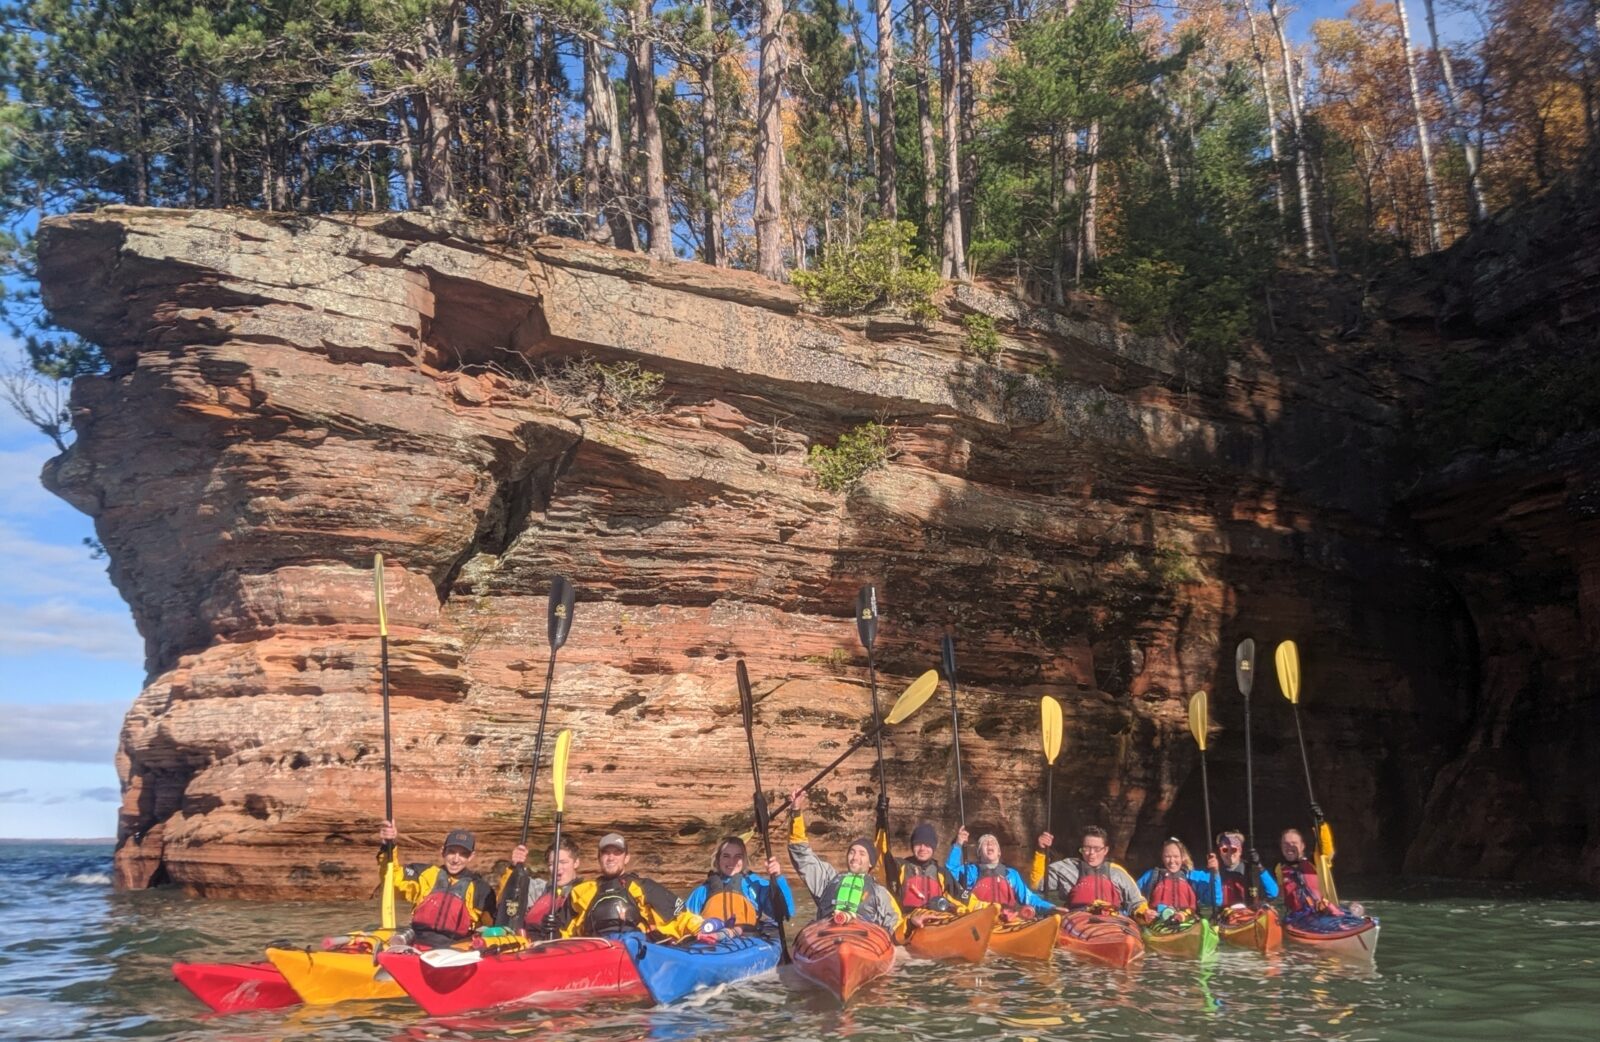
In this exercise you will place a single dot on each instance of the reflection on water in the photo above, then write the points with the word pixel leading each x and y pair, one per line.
pixel 77 961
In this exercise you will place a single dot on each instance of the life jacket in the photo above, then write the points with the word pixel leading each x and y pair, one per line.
pixel 925 884
pixel 1174 890
pixel 1093 885
pixel 993 885
pixel 542 908
pixel 614 908
pixel 728 899
pixel 444 915
pixel 1235 887
pixel 1301 891
pixel 846 894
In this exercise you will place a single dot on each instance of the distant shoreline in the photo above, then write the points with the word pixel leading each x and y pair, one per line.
pixel 8 841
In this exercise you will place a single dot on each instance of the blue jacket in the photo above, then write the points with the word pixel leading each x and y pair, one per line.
pixel 757 888
pixel 967 876
pixel 1201 880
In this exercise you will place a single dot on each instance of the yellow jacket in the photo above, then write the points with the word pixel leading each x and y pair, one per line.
pixel 415 882
pixel 651 919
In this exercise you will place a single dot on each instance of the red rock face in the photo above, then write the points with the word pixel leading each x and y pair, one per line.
pixel 291 395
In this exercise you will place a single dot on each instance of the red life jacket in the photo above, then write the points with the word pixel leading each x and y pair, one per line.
pixel 445 910
pixel 923 882
pixel 1093 886
pixel 1301 891
pixel 1235 888
pixel 542 909
pixel 1174 890
pixel 994 886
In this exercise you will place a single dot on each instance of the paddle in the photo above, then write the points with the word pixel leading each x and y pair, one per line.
pixel 1244 672
pixel 948 647
pixel 747 707
pixel 514 906
pixel 388 866
pixel 1199 723
pixel 558 783
pixel 910 700
pixel 1287 659
pixel 1050 738
pixel 867 627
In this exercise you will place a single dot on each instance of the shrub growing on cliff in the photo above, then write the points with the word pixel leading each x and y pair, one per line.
pixel 857 451
pixel 982 340
pixel 606 389
pixel 879 270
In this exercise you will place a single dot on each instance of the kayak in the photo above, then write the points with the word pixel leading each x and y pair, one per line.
pixel 1110 939
pixel 843 957
pixel 954 936
pixel 672 971
pixel 1245 928
pixel 1190 939
pixel 321 978
pixel 1026 938
pixel 1350 936
pixel 234 987
pixel 550 974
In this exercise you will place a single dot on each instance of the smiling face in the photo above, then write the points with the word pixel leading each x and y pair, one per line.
pixel 613 860
pixel 921 851
pixel 566 867
pixel 1293 845
pixel 1094 851
pixel 857 859
pixel 456 859
pixel 1171 857
pixel 730 859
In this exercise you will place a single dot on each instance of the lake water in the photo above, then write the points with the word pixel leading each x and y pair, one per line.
pixel 78 961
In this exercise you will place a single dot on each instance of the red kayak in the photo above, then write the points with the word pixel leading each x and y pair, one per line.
pixel 558 974
pixel 1110 939
pixel 842 957
pixel 234 987
pixel 1257 928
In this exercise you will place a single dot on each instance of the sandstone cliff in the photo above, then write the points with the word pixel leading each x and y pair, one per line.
pixel 1100 517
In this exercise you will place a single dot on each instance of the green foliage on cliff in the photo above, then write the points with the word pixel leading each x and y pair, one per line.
pixel 882 269
pixel 1522 401
pixel 981 339
pixel 857 451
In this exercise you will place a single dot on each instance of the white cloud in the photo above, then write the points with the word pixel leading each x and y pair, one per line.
pixel 58 624
pixel 20 489
pixel 67 732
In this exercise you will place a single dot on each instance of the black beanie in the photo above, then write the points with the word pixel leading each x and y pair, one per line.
pixel 924 833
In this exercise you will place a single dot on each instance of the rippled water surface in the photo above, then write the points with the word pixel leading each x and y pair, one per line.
pixel 78 961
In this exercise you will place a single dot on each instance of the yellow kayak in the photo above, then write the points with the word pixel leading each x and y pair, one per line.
pixel 321 978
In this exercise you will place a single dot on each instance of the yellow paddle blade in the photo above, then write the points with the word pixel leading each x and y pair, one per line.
pixel 1325 839
pixel 912 697
pixel 1050 728
pixel 558 769
pixel 1324 863
pixel 377 580
pixel 1288 659
pixel 1199 719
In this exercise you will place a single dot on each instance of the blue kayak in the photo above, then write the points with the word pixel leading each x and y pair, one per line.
pixel 672 971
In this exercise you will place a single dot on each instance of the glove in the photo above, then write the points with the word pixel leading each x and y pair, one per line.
pixel 883 805
pixel 1255 858
pixel 1316 812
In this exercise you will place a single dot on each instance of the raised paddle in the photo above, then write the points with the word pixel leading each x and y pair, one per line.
pixel 514 905
pixel 1199 724
pixel 558 788
pixel 747 708
pixel 1287 659
pixel 911 699
pixel 867 627
pixel 386 858
pixel 948 648
pixel 1050 738
pixel 1244 672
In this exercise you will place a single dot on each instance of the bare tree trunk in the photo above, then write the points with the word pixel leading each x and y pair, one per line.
pixel 534 156
pixel 494 162
pixel 967 114
pixel 1435 231
pixel 888 199
pixel 930 163
pixel 192 154
pixel 1272 116
pixel 214 120
pixel 1091 203
pixel 954 262
pixel 859 49
pixel 408 172
pixel 1302 174
pixel 1458 129
pixel 769 145
pixel 600 107
pixel 642 71
pixel 711 143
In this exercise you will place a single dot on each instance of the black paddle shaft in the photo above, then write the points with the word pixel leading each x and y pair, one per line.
pixel 1244 665
pixel 867 627
pixel 949 649
pixel 855 744
pixel 1305 762
pixel 1211 842
pixel 763 818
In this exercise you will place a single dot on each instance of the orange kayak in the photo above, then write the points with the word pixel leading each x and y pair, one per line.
pixel 1257 928
pixel 843 957
pixel 1026 938
pixel 959 936
pixel 1110 939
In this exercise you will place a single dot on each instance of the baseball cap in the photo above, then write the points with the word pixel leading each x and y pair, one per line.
pixel 461 838
pixel 614 839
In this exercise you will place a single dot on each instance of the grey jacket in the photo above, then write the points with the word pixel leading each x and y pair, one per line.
pixel 877 906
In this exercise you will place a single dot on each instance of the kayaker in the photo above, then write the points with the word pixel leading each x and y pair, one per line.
pixel 552 913
pixel 728 876
pixel 852 894
pixel 619 901
pixel 1091 881
pixel 923 884
pixel 992 881
pixel 448 900
pixel 1174 889
pixel 1297 875
pixel 1235 876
